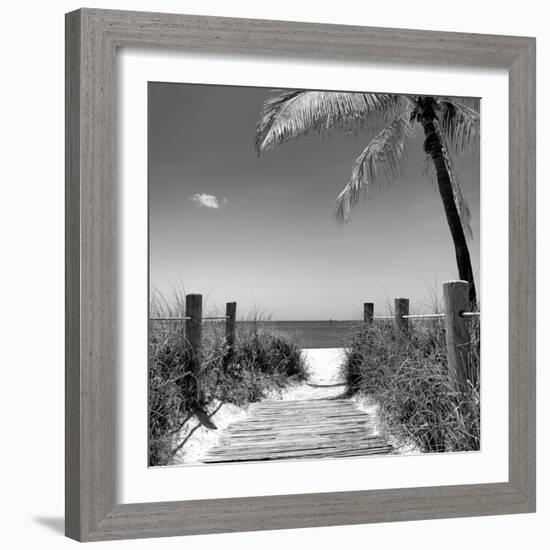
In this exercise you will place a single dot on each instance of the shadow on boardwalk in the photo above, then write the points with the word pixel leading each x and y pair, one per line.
pixel 315 420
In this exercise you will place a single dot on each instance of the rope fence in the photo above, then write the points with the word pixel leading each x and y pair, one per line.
pixel 193 330
pixel 455 315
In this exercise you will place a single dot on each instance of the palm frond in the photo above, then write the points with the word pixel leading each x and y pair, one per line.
pixel 297 113
pixel 459 121
pixel 379 163
pixel 470 102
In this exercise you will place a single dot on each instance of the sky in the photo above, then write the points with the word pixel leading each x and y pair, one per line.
pixel 233 226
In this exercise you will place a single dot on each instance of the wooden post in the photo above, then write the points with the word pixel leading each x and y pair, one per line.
pixel 368 312
pixel 231 313
pixel 455 301
pixel 401 326
pixel 193 331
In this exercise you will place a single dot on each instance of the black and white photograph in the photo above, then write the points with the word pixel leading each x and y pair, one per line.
pixel 271 275
pixel 314 274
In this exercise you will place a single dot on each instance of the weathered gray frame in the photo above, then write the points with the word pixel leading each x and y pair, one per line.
pixel 92 37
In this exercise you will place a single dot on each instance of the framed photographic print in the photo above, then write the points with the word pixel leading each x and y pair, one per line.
pixel 300 275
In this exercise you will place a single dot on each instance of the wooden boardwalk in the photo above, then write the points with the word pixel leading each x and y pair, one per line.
pixel 314 421
pixel 306 428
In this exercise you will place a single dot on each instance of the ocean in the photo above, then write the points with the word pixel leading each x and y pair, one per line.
pixel 311 334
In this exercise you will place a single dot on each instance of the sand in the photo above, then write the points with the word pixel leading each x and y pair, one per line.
pixel 199 438
pixel 325 379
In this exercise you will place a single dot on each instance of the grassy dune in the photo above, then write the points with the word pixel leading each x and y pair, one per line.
pixel 263 360
pixel 408 379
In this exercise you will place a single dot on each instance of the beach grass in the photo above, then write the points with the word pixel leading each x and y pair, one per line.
pixel 408 379
pixel 263 360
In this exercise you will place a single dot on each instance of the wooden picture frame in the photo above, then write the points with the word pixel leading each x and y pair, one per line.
pixel 92 39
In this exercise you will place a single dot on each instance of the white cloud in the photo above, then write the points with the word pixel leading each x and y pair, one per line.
pixel 210 201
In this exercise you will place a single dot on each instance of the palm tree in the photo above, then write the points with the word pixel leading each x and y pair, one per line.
pixel 446 123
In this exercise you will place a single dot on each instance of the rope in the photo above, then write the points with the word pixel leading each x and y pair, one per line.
pixel 215 318
pixel 426 316
pixel 170 319
pixel 187 318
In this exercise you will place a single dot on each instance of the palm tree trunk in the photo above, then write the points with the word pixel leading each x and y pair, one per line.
pixel 433 146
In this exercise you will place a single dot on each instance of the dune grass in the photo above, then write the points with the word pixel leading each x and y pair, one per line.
pixel 263 360
pixel 409 381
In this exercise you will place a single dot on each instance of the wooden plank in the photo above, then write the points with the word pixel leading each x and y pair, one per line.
pixel 296 445
pixel 296 424
pixel 309 419
pixel 301 429
pixel 318 453
pixel 300 448
pixel 252 454
pixel 356 436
